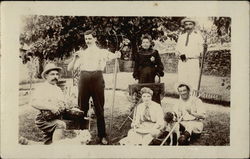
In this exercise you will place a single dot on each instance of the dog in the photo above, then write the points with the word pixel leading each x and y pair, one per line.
pixel 83 137
pixel 171 120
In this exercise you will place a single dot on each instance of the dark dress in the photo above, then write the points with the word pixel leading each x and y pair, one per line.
pixel 145 70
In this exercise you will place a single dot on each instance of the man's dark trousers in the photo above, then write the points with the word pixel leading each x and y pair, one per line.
pixel 91 84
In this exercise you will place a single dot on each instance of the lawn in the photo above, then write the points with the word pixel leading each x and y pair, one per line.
pixel 209 84
pixel 216 130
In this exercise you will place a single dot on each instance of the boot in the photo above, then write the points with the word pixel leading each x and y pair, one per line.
pixel 184 138
pixel 194 137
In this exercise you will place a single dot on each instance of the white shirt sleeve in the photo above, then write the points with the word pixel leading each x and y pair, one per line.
pixel 37 97
pixel 160 117
pixel 109 55
pixel 179 45
pixel 199 107
pixel 137 115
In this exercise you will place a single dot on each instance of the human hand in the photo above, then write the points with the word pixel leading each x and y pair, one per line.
pixel 75 56
pixel 118 54
pixel 90 113
pixel 61 109
pixel 61 104
pixel 135 125
pixel 157 79
pixel 55 110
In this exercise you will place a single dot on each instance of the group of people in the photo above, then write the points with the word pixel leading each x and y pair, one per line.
pixel 149 121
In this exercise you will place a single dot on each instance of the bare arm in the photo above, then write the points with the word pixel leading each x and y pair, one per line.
pixel 74 63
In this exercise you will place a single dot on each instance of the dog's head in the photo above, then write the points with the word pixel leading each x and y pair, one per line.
pixel 170 117
pixel 83 136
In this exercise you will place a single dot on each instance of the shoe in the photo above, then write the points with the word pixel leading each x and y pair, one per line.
pixel 104 141
pixel 184 138
pixel 194 137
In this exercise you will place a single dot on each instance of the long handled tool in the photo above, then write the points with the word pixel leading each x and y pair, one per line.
pixel 171 131
pixel 202 62
pixel 113 99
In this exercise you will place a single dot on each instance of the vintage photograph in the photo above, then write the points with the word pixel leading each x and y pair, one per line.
pixel 124 80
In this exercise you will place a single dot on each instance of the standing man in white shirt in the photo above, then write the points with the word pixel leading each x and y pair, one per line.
pixel 189 48
pixel 193 110
pixel 91 62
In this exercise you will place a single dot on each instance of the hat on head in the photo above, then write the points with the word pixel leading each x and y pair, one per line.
pixel 49 67
pixel 188 19
pixel 146 90
pixel 182 83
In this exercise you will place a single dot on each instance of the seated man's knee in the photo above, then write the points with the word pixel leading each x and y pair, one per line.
pixel 155 133
pixel 60 124
pixel 197 127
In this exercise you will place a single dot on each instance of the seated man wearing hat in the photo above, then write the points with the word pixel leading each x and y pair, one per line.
pixel 49 99
pixel 192 110
pixel 148 121
pixel 189 48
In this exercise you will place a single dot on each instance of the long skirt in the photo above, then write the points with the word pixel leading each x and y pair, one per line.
pixel 141 136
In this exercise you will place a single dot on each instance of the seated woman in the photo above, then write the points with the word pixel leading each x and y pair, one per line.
pixel 148 63
pixel 148 121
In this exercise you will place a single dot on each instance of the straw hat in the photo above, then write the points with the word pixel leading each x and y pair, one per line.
pixel 49 67
pixel 188 19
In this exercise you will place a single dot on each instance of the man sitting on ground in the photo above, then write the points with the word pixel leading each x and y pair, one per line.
pixel 192 109
pixel 49 99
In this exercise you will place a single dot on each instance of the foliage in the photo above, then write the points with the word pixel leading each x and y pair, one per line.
pixel 50 37
pixel 58 36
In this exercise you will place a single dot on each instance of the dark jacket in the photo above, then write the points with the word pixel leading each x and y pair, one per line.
pixel 142 60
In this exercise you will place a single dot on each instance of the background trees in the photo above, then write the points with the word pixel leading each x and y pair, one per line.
pixel 50 37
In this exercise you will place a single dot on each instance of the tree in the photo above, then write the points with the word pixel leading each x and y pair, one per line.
pixel 52 37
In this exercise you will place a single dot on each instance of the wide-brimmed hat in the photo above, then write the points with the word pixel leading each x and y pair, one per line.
pixel 177 84
pixel 49 67
pixel 188 19
pixel 146 90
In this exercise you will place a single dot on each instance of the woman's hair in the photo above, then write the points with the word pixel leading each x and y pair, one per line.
pixel 146 90
pixel 90 32
pixel 147 36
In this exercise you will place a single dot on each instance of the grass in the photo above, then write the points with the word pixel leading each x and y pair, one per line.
pixel 216 126
pixel 209 84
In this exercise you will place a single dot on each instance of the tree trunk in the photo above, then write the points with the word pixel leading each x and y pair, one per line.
pixel 134 47
pixel 40 67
